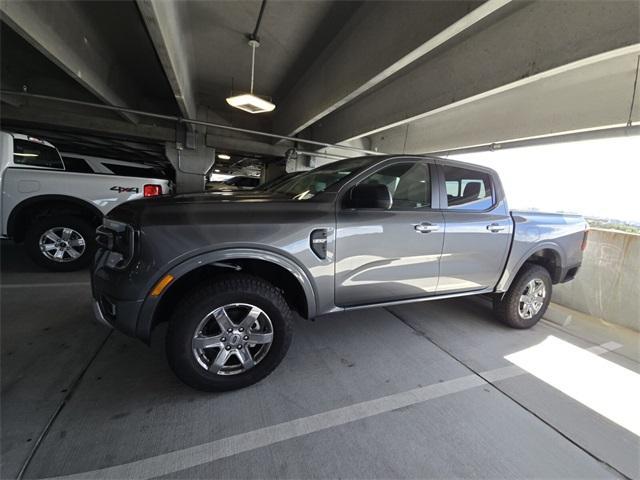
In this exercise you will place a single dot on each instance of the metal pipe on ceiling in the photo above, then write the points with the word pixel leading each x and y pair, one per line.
pixel 175 118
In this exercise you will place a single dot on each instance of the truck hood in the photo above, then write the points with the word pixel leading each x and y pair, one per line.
pixel 204 208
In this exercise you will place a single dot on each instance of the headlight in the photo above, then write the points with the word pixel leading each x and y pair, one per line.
pixel 120 240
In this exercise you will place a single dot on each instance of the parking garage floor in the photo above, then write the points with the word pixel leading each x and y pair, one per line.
pixel 416 391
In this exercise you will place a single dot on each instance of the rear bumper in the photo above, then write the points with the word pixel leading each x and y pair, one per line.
pixel 569 273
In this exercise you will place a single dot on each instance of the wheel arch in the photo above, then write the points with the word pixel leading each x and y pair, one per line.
pixel 29 209
pixel 284 273
pixel 547 255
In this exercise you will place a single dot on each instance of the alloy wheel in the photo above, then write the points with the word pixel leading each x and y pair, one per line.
pixel 232 339
pixel 62 244
pixel 532 299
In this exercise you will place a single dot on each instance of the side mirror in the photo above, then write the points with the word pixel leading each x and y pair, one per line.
pixel 369 196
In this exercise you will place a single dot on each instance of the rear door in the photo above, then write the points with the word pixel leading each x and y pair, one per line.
pixel 478 229
pixel 388 255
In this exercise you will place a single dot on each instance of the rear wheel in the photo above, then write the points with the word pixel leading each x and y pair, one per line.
pixel 60 243
pixel 526 301
pixel 229 334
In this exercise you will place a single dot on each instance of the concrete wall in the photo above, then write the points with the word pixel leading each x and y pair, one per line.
pixel 608 284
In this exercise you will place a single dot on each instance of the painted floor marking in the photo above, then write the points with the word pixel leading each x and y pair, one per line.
pixel 172 462
pixel 44 285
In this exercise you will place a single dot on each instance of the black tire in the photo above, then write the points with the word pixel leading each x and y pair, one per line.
pixel 41 225
pixel 507 306
pixel 190 312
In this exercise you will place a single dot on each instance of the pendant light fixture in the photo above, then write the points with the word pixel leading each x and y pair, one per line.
pixel 248 101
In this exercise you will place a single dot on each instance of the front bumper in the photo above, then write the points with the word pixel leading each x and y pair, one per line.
pixel 110 308
pixel 99 316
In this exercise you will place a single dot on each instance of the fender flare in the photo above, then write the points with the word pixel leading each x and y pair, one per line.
pixel 150 304
pixel 27 203
pixel 507 278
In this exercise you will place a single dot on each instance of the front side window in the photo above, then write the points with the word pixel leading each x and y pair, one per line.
pixel 408 183
pixel 35 155
pixel 468 189
pixel 313 182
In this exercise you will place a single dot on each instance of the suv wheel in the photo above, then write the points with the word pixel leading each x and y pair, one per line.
pixel 61 243
pixel 229 334
pixel 527 299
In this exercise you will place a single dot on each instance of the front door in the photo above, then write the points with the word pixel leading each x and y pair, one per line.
pixel 394 254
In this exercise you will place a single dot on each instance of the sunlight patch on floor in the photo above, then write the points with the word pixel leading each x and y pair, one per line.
pixel 603 386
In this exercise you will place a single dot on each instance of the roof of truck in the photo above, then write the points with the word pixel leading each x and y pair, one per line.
pixel 29 138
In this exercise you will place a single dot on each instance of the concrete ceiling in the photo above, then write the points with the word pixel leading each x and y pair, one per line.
pixel 291 35
pixel 587 95
pixel 336 70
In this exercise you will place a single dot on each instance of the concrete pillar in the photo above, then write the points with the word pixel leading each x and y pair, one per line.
pixel 191 165
pixel 272 171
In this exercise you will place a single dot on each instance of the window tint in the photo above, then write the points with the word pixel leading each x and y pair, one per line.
pixel 35 155
pixel 408 183
pixel 249 182
pixel 243 182
pixel 468 189
pixel 73 164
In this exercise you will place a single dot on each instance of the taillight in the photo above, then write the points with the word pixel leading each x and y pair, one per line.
pixel 585 238
pixel 152 190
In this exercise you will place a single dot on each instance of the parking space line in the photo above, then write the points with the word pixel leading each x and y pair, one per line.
pixel 43 285
pixel 178 460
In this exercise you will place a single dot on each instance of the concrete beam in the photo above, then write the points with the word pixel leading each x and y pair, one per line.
pixel 540 37
pixel 380 39
pixel 35 115
pixel 594 93
pixel 162 19
pixel 62 33
pixel 227 143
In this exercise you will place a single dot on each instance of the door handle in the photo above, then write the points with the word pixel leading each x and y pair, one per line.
pixel 426 227
pixel 495 227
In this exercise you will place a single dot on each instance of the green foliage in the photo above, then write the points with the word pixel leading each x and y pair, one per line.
pixel 613 225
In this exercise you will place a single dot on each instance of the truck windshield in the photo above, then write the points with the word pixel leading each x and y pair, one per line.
pixel 309 184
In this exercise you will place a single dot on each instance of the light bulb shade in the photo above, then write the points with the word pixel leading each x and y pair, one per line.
pixel 251 103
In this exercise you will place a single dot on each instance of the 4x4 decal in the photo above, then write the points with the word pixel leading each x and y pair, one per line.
pixel 125 189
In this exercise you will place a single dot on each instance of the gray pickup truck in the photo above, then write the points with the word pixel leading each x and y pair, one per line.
pixel 226 272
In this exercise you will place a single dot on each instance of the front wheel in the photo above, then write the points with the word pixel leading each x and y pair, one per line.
pixel 61 243
pixel 527 299
pixel 229 334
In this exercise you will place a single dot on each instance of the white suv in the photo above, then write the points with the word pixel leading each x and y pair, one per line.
pixel 53 204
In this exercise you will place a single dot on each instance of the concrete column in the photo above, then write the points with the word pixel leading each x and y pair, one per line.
pixel 272 171
pixel 191 165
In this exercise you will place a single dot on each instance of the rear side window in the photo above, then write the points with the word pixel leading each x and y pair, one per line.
pixel 35 155
pixel 78 165
pixel 468 189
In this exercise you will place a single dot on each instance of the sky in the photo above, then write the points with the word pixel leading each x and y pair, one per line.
pixel 599 178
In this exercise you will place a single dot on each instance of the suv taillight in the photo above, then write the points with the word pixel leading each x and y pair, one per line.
pixel 585 240
pixel 152 190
